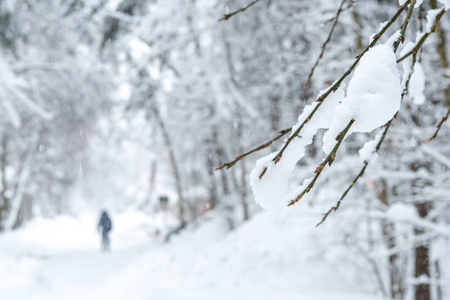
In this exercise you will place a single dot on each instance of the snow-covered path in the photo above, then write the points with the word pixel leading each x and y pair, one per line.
pixel 60 260
pixel 77 276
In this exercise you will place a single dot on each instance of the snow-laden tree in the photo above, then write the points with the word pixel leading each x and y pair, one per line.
pixel 217 80
pixel 53 90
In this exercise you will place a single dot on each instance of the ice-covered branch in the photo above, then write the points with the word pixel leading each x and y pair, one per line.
pixel 324 45
pixel 229 15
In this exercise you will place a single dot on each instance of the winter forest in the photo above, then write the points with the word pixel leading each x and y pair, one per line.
pixel 224 149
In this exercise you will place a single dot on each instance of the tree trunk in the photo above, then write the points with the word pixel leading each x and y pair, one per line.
pixel 4 201
pixel 388 229
pixel 395 278
pixel 422 262
pixel 173 162
pixel 275 113
pixel 244 191
pixel 438 280
pixel 16 203
pixel 153 170
pixel 212 189
pixel 243 175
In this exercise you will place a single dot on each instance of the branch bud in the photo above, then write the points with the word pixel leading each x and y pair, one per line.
pixel 230 165
pixel 262 173
pixel 318 169
pixel 277 159
pixel 330 162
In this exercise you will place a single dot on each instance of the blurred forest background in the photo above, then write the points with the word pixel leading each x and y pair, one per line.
pixel 123 104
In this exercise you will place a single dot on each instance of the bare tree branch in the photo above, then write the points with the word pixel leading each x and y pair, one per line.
pixel 263 146
pixel 324 45
pixel 439 126
pixel 227 16
pixel 338 204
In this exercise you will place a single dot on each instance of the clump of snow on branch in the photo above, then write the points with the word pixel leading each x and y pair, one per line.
pixel 417 78
pixel 273 187
pixel 417 85
pixel 380 28
pixel 394 38
pixel 407 62
pixel 368 152
pixel 431 17
pixel 373 96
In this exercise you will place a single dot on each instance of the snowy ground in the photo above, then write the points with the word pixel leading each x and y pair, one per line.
pixel 274 256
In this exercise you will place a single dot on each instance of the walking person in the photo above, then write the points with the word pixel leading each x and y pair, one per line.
pixel 105 225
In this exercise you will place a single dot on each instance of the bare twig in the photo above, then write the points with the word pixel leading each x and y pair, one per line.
pixel 324 45
pixel 439 125
pixel 227 16
pixel 329 159
pixel 265 145
pixel 338 204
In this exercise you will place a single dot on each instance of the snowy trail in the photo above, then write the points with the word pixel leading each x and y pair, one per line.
pixel 41 263
pixel 60 259
pixel 78 276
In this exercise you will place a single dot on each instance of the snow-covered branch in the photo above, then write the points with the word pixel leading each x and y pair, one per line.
pixel 322 96
pixel 413 51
